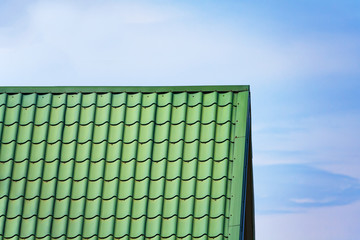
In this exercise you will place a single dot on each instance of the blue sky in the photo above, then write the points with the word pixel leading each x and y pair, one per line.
pixel 301 58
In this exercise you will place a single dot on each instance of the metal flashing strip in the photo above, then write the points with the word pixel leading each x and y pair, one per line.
pixel 237 188
pixel 127 89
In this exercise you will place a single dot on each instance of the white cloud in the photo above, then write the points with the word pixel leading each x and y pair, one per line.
pixel 328 223
pixel 328 141
pixel 303 200
pixel 77 43
pixel 311 200
pixel 287 188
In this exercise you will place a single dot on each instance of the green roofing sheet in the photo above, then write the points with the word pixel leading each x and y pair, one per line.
pixel 123 163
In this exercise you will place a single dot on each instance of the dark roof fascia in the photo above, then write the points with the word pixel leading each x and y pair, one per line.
pixel 248 209
pixel 128 89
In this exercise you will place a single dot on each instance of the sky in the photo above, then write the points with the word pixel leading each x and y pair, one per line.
pixel 300 58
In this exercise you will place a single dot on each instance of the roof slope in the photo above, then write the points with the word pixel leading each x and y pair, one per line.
pixel 123 162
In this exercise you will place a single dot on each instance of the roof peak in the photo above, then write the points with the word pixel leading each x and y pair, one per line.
pixel 145 89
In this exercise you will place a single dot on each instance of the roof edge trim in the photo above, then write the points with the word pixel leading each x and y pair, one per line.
pixel 128 89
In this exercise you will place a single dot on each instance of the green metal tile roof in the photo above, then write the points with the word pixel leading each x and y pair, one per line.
pixel 125 163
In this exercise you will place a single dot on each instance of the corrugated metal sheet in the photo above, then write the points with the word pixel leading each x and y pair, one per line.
pixel 122 164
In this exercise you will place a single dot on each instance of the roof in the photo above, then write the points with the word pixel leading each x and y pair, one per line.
pixel 120 162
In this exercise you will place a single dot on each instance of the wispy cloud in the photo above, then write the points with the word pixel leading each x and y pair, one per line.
pixel 330 223
pixel 113 43
pixel 294 188
pixel 325 140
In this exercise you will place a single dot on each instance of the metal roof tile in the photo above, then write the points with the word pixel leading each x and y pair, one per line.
pixel 125 162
